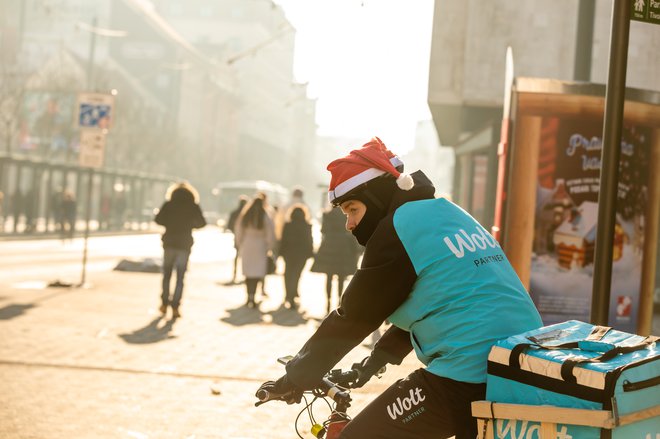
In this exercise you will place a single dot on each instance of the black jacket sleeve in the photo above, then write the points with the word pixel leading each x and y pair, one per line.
pixel 394 345
pixel 377 289
pixel 198 217
pixel 162 216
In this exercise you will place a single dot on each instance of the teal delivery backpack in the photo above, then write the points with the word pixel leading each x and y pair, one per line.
pixel 572 380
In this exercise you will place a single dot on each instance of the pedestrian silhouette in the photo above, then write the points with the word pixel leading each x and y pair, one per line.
pixel 180 214
pixel 255 237
pixel 231 226
pixel 55 206
pixel 296 247
pixel 30 208
pixel 2 215
pixel 69 212
pixel 297 197
pixel 17 207
pixel 338 253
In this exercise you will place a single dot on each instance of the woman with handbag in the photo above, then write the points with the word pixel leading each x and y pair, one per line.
pixel 255 238
pixel 296 247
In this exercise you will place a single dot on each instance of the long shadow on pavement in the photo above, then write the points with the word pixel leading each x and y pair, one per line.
pixel 151 333
pixel 243 316
pixel 14 310
pixel 287 317
pixel 251 316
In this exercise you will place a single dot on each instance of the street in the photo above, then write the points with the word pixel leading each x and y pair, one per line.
pixel 98 361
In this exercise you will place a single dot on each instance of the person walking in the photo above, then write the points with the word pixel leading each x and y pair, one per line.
pixel 338 254
pixel 255 237
pixel 296 246
pixel 69 210
pixel 2 215
pixel 179 214
pixel 280 216
pixel 231 226
pixel 17 207
pixel 442 281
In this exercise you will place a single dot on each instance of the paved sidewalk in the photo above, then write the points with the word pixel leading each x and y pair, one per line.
pixel 100 362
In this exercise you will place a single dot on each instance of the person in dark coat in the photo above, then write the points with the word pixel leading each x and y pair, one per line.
pixel 69 209
pixel 231 226
pixel 296 246
pixel 338 253
pixel 180 214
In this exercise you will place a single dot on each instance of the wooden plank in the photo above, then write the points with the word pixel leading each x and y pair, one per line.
pixel 650 412
pixel 544 413
pixel 559 415
pixel 489 433
pixel 651 221
pixel 521 196
pixel 548 430
pixel 562 105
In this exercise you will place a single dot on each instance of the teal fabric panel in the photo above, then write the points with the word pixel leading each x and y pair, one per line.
pixel 466 297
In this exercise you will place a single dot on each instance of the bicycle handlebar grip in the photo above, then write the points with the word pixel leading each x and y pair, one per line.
pixel 263 395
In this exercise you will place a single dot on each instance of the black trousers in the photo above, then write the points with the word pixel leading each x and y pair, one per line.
pixel 421 405
pixel 292 272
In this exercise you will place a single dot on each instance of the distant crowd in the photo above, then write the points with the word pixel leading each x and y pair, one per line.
pixel 262 235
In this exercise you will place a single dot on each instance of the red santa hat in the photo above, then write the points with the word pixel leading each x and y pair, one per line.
pixel 364 164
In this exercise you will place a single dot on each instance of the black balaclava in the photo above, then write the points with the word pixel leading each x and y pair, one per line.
pixel 377 196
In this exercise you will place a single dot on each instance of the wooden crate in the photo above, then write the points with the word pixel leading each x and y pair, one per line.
pixel 550 416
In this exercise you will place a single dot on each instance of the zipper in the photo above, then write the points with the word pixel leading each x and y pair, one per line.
pixel 631 387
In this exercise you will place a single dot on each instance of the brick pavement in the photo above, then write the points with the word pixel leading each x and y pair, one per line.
pixel 99 362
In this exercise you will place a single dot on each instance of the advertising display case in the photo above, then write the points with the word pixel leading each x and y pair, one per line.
pixel 551 210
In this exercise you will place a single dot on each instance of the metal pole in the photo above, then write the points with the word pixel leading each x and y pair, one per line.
pixel 90 59
pixel 90 185
pixel 584 40
pixel 610 154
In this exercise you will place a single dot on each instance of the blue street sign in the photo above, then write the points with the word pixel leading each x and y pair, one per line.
pixel 94 110
pixel 94 115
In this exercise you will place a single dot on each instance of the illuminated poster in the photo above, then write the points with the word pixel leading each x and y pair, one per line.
pixel 561 278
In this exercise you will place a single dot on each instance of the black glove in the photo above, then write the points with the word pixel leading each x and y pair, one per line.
pixel 370 366
pixel 282 389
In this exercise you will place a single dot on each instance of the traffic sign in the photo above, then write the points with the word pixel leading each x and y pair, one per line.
pixel 92 148
pixel 94 110
pixel 647 11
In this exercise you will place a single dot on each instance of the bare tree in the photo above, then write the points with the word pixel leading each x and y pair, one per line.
pixel 12 90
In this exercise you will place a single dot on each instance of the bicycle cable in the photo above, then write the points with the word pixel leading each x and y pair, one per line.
pixel 309 409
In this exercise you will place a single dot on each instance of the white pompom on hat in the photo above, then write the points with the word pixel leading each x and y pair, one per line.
pixel 372 160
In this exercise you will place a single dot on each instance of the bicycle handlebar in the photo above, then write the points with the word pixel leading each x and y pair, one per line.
pixel 263 395
pixel 334 384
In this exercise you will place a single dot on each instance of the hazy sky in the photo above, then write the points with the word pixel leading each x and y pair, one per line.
pixel 367 63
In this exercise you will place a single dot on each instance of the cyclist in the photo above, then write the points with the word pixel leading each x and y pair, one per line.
pixel 442 281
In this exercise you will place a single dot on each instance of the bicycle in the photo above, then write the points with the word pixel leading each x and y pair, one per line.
pixel 335 385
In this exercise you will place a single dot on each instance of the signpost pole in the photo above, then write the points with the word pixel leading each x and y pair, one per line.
pixel 88 211
pixel 610 154
pixel 94 115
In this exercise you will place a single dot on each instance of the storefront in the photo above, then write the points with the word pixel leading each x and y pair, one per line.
pixel 475 173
